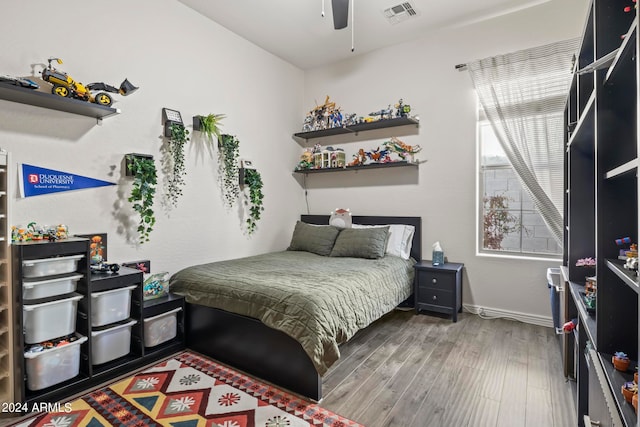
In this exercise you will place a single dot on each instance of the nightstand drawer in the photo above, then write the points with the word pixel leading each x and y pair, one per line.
pixel 437 280
pixel 435 297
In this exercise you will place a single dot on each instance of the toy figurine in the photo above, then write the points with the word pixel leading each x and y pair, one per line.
pixel 65 86
pixel 384 113
pixel 402 110
pixel 306 160
pixel 377 156
pixel 358 159
pixel 401 149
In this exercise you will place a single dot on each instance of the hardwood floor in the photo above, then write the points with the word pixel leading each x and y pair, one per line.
pixel 420 370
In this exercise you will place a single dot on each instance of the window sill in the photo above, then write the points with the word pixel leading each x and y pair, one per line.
pixel 524 257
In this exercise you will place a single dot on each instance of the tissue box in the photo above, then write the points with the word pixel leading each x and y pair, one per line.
pixel 155 285
pixel 437 258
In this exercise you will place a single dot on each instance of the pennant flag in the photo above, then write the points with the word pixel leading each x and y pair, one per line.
pixel 35 181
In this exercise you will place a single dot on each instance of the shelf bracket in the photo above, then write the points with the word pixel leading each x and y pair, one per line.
pixel 99 121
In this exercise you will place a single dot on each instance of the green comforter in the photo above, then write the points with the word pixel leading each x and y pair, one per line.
pixel 317 300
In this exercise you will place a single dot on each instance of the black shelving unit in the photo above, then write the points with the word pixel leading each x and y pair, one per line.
pixel 90 373
pixel 36 98
pixel 601 205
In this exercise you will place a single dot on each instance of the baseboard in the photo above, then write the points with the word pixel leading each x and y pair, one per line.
pixel 490 313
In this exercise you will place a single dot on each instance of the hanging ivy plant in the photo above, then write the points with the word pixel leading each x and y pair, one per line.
pixel 178 139
pixel 253 180
pixel 143 192
pixel 228 154
pixel 210 126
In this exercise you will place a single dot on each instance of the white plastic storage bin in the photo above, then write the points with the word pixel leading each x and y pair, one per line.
pixel 110 306
pixel 50 266
pixel 49 320
pixel 161 328
pixel 53 366
pixel 109 344
pixel 34 289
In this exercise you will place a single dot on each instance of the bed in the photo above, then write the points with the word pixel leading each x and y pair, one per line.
pixel 281 316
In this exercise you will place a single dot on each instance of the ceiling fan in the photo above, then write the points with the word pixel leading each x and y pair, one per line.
pixel 340 13
pixel 340 10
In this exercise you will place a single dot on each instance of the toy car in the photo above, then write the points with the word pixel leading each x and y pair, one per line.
pixel 65 86
pixel 18 81
pixel 104 267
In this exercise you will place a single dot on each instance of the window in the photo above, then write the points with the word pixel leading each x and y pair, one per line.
pixel 523 95
pixel 509 223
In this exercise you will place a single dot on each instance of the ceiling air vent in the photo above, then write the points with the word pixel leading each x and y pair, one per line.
pixel 400 13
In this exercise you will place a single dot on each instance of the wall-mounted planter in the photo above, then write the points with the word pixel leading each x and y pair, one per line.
pixel 242 176
pixel 171 117
pixel 128 161
pixel 196 123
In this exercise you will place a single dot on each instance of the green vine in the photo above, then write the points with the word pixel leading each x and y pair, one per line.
pixel 178 139
pixel 228 154
pixel 143 192
pixel 210 126
pixel 253 180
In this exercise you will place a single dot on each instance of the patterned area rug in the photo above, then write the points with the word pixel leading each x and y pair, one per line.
pixel 190 391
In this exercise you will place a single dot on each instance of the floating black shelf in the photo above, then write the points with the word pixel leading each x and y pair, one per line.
pixel 588 320
pixel 397 164
pixel 378 124
pixel 616 380
pixel 22 95
pixel 627 276
pixel 626 52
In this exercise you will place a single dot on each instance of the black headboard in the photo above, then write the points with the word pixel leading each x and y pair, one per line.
pixel 416 221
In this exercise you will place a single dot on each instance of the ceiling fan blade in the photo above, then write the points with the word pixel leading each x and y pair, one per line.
pixel 340 13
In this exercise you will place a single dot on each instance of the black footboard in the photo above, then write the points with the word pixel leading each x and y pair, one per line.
pixel 247 344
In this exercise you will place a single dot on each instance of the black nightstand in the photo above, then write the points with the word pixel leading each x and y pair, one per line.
pixel 438 287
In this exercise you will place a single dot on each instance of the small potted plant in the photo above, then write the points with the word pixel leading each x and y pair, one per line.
pixel 209 125
pixel 621 361
pixel 628 390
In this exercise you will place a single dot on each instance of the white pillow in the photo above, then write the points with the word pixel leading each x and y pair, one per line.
pixel 400 238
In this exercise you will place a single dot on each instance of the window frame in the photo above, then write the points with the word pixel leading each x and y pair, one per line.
pixel 481 122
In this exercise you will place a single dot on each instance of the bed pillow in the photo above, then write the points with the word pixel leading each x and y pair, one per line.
pixel 361 243
pixel 400 238
pixel 317 239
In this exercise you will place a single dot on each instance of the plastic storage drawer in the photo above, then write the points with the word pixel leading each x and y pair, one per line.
pixel 34 289
pixel 53 366
pixel 109 344
pixel 50 266
pixel 161 328
pixel 49 320
pixel 111 306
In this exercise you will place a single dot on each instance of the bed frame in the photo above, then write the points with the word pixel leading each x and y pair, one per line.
pixel 250 346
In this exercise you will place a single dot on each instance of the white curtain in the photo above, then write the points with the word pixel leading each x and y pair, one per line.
pixel 523 95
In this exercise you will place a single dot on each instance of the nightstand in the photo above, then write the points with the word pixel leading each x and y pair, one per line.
pixel 438 287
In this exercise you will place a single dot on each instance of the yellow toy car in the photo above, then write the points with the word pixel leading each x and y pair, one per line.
pixel 65 86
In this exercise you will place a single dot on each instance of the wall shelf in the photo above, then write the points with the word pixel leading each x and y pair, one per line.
pixel 628 277
pixel 362 127
pixel 369 166
pixel 13 93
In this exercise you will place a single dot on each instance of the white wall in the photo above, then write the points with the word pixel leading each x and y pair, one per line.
pixel 183 61
pixel 443 192
pixel 180 60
